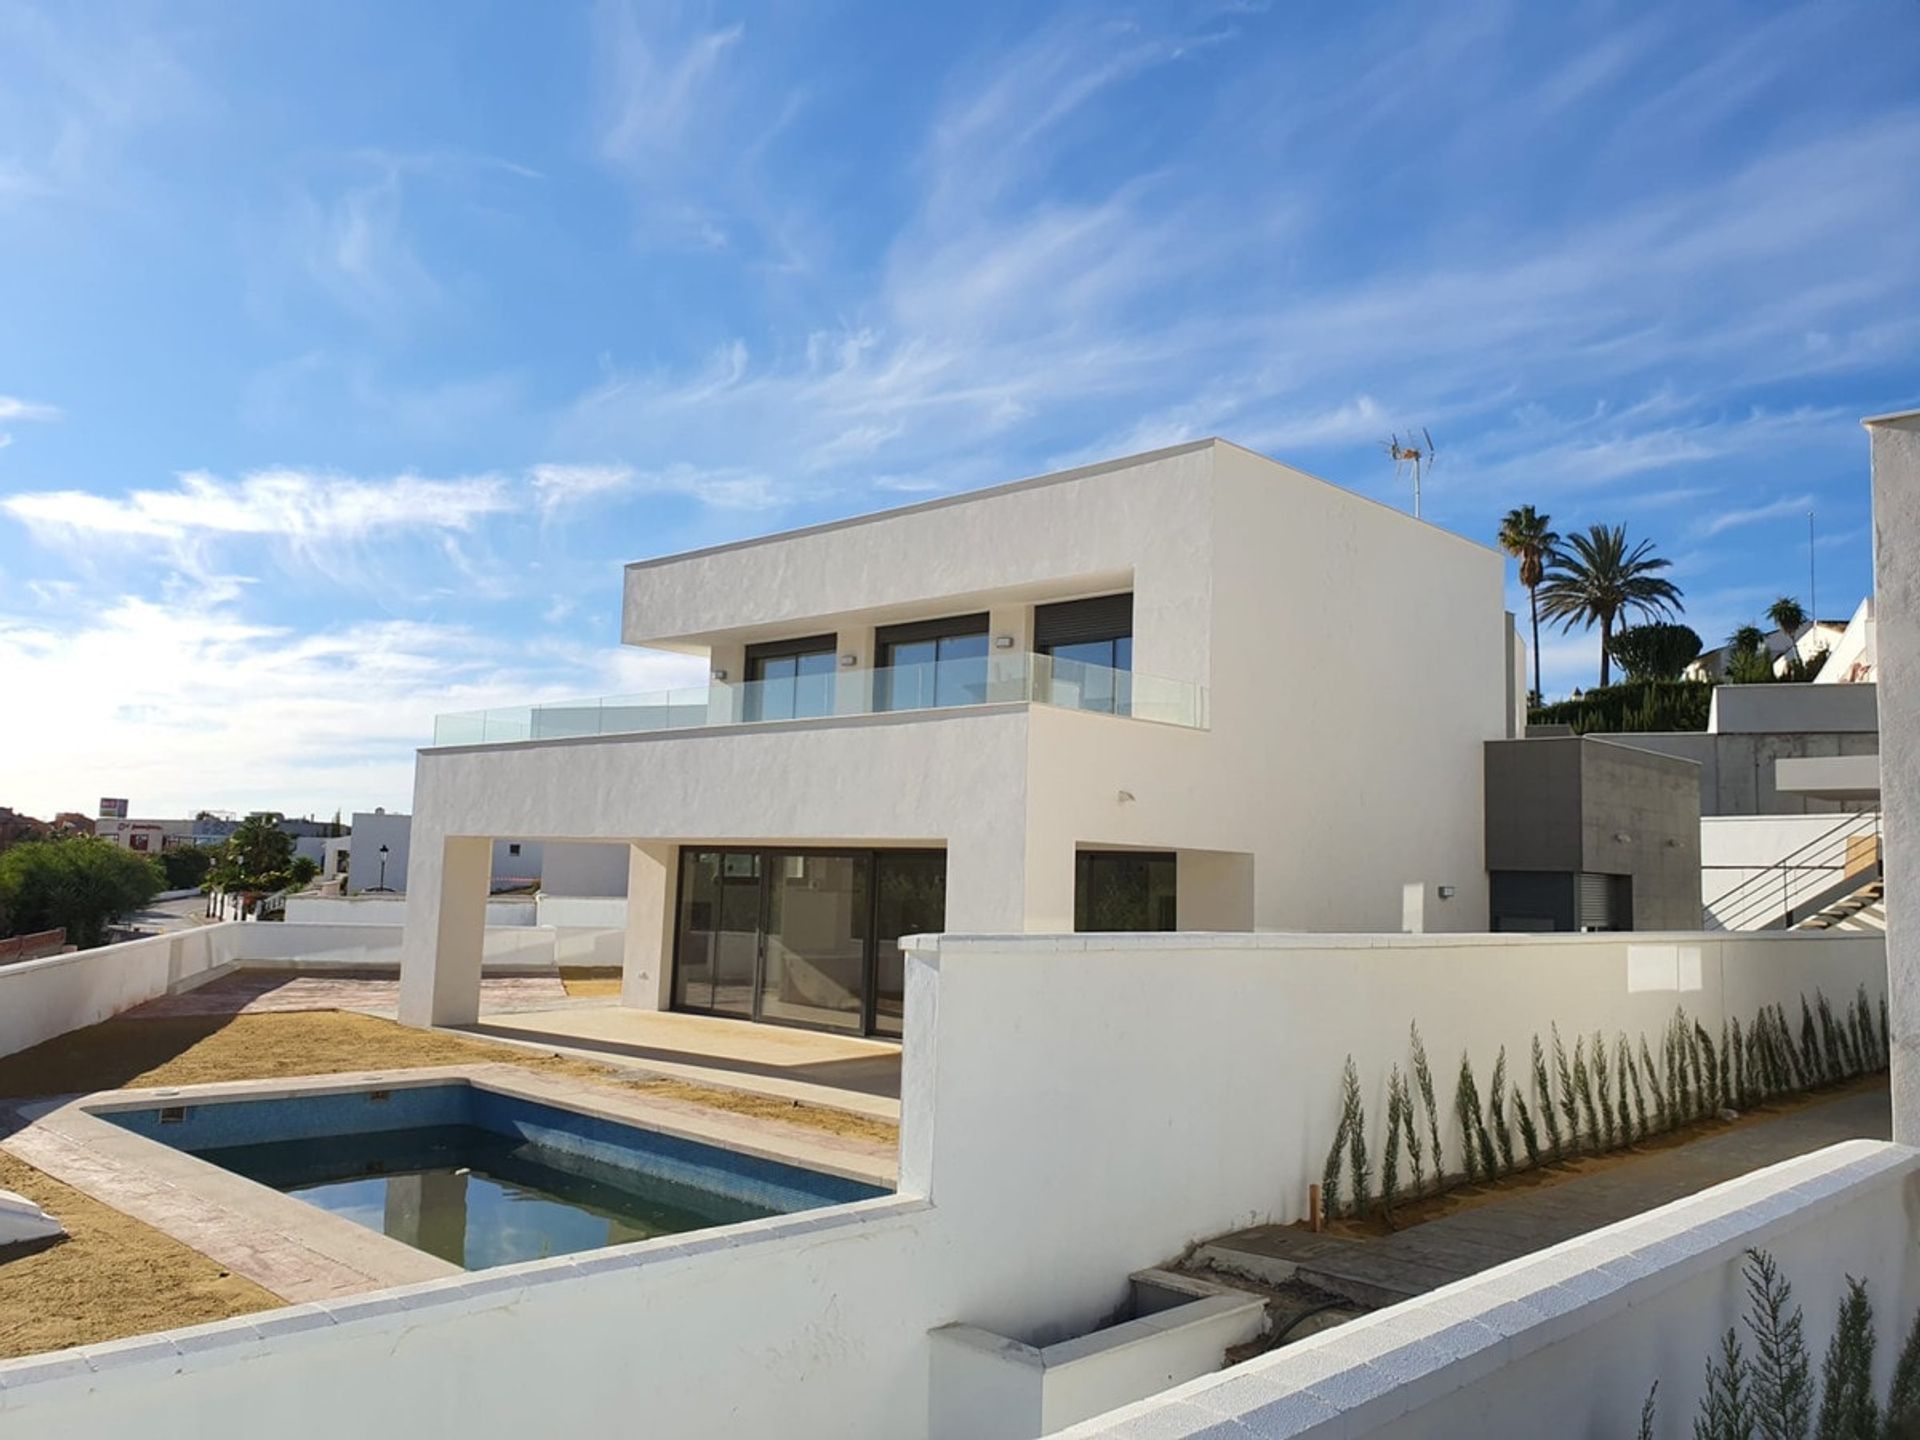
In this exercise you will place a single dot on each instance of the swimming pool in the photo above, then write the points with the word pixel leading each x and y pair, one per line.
pixel 479 1177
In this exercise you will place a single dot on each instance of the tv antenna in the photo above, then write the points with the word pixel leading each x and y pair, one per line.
pixel 1412 456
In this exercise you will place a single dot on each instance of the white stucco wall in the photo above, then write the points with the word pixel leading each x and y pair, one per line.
pixel 1896 548
pixel 1570 1340
pixel 370 831
pixel 1347 771
pixel 1033 1067
pixel 40 999
pixel 1735 848
pixel 587 871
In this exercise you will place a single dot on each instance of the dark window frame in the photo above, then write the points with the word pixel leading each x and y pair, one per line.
pixel 1090 620
pixel 764 856
pixel 913 631
pixel 1085 856
pixel 781 649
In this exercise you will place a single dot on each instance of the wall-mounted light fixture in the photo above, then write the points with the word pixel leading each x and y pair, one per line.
pixel 1003 642
pixel 1447 892
pixel 847 662
pixel 719 674
pixel 1126 796
pixel 1621 837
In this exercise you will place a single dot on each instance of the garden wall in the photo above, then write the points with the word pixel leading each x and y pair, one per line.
pixel 1074 1109
pixel 40 999
pixel 1581 1332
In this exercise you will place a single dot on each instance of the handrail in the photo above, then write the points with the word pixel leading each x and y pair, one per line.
pixel 1770 896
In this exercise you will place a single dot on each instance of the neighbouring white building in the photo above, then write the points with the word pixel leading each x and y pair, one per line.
pixel 1103 699
pixel 379 849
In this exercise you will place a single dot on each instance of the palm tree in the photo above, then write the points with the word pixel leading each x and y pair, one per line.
pixel 1598 578
pixel 1748 639
pixel 1789 615
pixel 1527 535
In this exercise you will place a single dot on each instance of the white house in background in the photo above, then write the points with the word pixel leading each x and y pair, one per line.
pixel 1847 645
pixel 1099 700
pixel 378 851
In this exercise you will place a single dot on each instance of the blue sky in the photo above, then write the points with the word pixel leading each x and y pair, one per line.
pixel 347 351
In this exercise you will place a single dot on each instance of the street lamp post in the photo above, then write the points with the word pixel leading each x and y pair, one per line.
pixel 383 869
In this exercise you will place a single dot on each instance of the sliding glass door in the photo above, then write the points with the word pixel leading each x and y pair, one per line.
pixel 716 957
pixel 815 946
pixel 910 898
pixel 803 937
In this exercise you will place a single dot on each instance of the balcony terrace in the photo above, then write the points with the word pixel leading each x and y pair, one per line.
pixel 1005 678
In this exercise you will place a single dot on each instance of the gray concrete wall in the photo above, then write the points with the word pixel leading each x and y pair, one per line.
pixel 1558 806
pixel 1737 771
pixel 1533 804
pixel 1790 709
pixel 1896 545
pixel 1653 801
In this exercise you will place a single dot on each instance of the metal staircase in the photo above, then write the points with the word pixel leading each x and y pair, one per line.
pixel 1815 886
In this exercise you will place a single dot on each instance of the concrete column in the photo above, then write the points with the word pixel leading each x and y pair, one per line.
pixel 1008 672
pixel 1050 887
pixel 446 931
pixel 854 684
pixel 646 969
pixel 723 696
pixel 1215 889
pixel 1896 553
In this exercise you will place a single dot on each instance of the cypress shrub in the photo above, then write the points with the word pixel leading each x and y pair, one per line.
pixel 1847 1407
pixel 1423 1077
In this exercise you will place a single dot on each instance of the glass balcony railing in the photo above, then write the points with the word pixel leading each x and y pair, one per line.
pixel 937 685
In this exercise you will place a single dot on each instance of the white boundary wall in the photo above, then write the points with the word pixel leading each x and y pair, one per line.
pixel 1569 1340
pixel 40 999
pixel 1075 1109
pixel 368 909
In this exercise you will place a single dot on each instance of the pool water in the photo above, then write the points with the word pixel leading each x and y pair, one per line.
pixel 480 1175
pixel 477 1198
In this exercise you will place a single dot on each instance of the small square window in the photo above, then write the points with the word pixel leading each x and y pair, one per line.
pixel 513 849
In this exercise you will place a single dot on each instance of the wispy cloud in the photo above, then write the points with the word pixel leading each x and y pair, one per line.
pixel 555 487
pixel 1754 514
pixel 14 409
pixel 273 712
pixel 301 507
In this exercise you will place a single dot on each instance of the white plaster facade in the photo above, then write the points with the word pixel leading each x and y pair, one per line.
pixel 1325 780
pixel 1896 558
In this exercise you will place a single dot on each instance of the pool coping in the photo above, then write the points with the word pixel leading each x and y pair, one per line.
pixel 303 1254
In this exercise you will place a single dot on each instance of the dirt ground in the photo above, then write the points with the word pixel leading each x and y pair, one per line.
pixel 1558 1172
pixel 114 1276
pixel 590 981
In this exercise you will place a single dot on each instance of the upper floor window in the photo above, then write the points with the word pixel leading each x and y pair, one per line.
pixel 791 679
pixel 1091 644
pixel 932 663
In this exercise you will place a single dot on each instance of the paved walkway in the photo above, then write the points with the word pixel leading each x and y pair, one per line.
pixel 1424 1257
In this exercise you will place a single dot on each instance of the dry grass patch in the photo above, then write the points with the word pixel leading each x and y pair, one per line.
pixel 111 1277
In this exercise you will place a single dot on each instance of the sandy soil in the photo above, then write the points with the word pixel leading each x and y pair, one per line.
pixel 590 981
pixel 113 1276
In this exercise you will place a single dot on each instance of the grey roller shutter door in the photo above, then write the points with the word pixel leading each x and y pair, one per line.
pixel 1104 617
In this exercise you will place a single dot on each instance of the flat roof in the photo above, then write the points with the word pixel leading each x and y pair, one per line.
pixel 1890 419
pixel 1057 477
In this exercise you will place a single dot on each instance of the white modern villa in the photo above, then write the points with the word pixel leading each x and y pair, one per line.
pixel 1193 689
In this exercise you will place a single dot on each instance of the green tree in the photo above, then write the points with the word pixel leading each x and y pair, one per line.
pixel 1528 536
pixel 79 884
pixel 1598 578
pixel 186 866
pixel 257 856
pixel 1748 662
pixel 1789 615
pixel 1656 652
